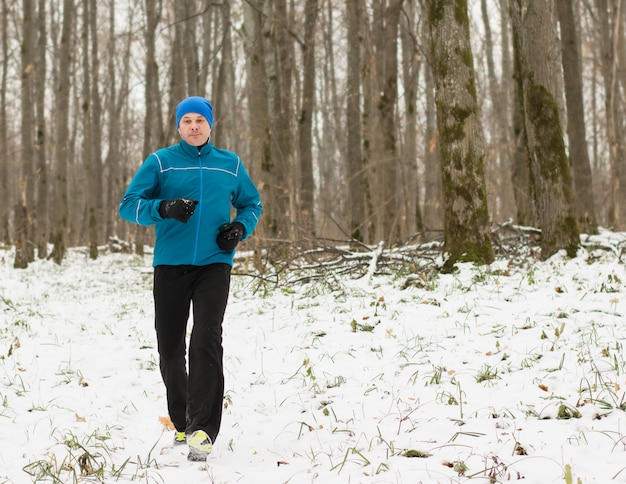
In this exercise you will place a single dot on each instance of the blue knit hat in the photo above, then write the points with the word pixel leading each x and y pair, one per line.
pixel 195 104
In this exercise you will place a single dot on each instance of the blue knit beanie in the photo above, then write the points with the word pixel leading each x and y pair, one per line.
pixel 195 104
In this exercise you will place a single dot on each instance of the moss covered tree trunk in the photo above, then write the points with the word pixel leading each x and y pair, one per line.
pixel 466 218
pixel 550 178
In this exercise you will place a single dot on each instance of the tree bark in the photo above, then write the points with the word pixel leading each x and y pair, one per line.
pixel 498 163
pixel 433 207
pixel 278 65
pixel 5 204
pixel 307 185
pixel 409 181
pixel 533 33
pixel 62 141
pixel 332 200
pixel 466 218
pixel 355 168
pixel 224 95
pixel 91 131
pixel 520 174
pixel 579 156
pixel 608 27
pixel 24 241
pixel 41 150
pixel 386 105
pixel 258 117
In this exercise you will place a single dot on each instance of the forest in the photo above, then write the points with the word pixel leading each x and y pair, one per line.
pixel 365 121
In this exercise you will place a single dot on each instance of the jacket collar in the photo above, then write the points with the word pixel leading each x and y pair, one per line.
pixel 193 150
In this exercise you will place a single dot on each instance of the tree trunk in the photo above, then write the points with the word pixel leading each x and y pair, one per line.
pixel 190 56
pixel 409 180
pixel 178 75
pixel 153 124
pixel 24 241
pixel 4 135
pixel 608 28
pixel 224 95
pixel 506 98
pixel 258 118
pixel 466 218
pixel 279 96
pixel 386 106
pixel 307 186
pixel 579 156
pixel 91 131
pixel 112 160
pixel 356 168
pixel 498 164
pixel 433 208
pixel 620 115
pixel 373 142
pixel 332 200
pixel 62 144
pixel 520 174
pixel 41 215
pixel 533 33
pixel 155 132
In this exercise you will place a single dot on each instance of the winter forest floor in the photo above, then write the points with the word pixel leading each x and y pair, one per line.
pixel 368 367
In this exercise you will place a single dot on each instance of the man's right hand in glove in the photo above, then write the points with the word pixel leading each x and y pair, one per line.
pixel 180 209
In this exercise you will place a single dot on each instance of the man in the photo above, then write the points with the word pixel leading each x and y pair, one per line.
pixel 187 191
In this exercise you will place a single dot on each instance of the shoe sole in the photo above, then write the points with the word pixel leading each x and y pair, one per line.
pixel 198 450
pixel 196 455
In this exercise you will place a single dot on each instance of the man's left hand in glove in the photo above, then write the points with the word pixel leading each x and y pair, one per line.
pixel 230 235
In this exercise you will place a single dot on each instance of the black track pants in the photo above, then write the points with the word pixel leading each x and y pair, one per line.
pixel 194 399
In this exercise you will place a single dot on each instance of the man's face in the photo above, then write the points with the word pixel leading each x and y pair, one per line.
pixel 194 129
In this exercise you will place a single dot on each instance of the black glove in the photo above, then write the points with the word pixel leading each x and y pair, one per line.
pixel 180 209
pixel 230 235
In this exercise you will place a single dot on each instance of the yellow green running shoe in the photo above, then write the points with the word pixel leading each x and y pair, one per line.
pixel 180 438
pixel 200 446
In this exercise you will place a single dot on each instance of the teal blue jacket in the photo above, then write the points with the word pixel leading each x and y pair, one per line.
pixel 214 177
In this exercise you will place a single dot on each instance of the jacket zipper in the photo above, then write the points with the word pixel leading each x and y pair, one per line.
pixel 195 250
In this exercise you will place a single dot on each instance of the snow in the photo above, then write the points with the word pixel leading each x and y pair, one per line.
pixel 509 372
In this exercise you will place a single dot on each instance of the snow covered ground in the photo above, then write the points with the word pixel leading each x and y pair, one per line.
pixel 498 374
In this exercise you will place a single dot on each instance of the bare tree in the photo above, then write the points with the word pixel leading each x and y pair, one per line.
pixel 466 218
pixel 433 198
pixel 41 152
pixel 609 22
pixel 279 70
pixel 497 164
pixel 551 183
pixel 380 134
pixel 224 95
pixel 331 160
pixel 356 169
pixel 24 242
pixel 520 174
pixel 153 125
pixel 91 121
pixel 411 65
pixel 305 125
pixel 62 141
pixel 258 115
pixel 386 104
pixel 179 85
pixel 579 156
pixel 4 135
